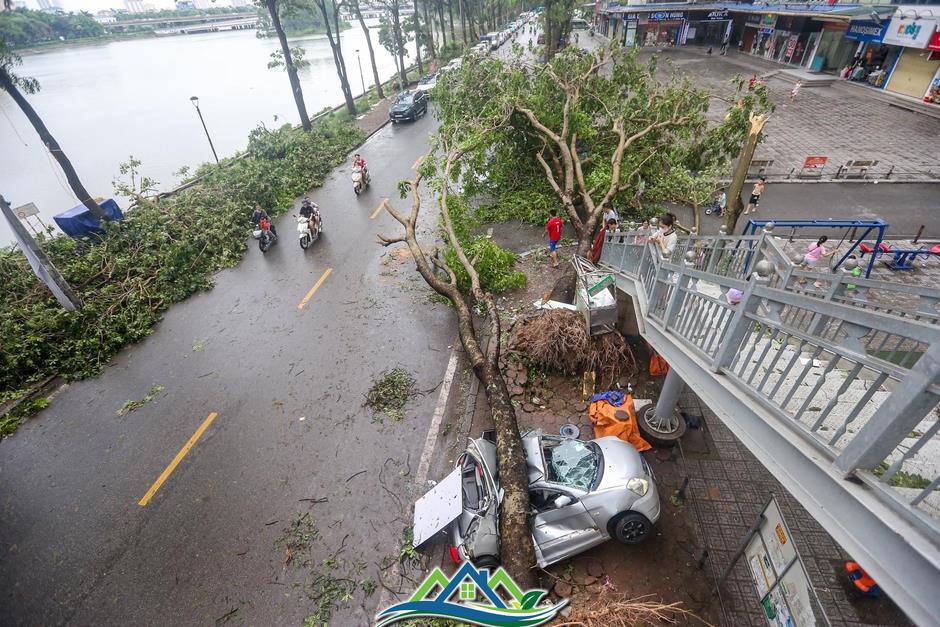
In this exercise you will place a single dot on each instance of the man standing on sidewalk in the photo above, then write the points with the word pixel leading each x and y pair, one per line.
pixel 553 226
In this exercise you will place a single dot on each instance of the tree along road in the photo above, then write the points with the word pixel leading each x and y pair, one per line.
pixel 287 383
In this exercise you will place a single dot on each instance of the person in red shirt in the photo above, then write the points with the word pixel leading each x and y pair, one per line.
pixel 553 226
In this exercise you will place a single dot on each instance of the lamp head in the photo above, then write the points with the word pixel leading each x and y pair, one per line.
pixel 194 100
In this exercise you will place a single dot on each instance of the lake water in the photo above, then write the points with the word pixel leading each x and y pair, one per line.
pixel 106 102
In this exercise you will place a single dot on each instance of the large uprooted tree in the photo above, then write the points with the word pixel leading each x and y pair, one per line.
pixel 585 130
pixel 453 271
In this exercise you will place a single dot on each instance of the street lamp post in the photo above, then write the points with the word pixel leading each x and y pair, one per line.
pixel 363 80
pixel 195 101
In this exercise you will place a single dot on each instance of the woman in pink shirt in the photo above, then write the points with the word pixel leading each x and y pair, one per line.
pixel 814 253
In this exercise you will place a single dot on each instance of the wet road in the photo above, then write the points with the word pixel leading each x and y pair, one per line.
pixel 287 385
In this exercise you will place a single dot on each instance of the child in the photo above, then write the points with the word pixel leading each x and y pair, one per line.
pixel 814 253
pixel 795 90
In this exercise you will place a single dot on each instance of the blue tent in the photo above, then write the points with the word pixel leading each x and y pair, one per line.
pixel 79 221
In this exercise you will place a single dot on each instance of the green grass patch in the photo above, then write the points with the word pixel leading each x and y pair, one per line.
pixel 901 479
pixel 13 418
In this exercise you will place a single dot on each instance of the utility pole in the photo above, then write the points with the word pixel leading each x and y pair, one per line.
pixel 40 263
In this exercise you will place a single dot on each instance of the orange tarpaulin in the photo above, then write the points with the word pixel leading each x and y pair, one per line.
pixel 617 421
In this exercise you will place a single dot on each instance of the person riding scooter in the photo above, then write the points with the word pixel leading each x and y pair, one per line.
pixel 360 163
pixel 260 214
pixel 310 211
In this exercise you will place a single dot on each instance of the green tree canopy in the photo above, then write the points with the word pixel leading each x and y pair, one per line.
pixel 21 27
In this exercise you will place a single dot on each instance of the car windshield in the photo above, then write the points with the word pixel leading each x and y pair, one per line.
pixel 405 99
pixel 570 462
pixel 426 80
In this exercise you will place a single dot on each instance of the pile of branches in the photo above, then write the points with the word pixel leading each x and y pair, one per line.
pixel 557 339
pixel 623 612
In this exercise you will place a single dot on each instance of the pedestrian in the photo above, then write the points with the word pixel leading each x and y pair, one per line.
pixel 756 193
pixel 751 82
pixel 709 51
pixel 598 247
pixel 553 226
pixel 667 237
pixel 642 233
pixel 795 90
pixel 814 253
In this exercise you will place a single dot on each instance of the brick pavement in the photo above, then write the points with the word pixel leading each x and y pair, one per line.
pixel 728 487
pixel 835 121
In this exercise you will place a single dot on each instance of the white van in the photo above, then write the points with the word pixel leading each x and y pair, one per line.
pixel 579 24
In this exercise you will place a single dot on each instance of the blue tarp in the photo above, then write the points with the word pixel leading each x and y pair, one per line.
pixel 79 221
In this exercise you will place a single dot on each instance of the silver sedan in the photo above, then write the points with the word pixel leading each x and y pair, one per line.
pixel 582 493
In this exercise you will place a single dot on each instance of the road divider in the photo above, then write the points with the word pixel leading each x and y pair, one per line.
pixel 176 460
pixel 313 290
pixel 378 209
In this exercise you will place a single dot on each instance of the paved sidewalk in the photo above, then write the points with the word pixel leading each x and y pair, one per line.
pixel 836 121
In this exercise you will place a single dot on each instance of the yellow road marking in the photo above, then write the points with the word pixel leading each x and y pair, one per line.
pixel 378 209
pixel 176 460
pixel 315 287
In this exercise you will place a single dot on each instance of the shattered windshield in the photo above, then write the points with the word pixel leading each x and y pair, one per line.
pixel 570 462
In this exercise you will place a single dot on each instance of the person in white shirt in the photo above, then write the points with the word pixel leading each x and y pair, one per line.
pixel 666 238
pixel 610 214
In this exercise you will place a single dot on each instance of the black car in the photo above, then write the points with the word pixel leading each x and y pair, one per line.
pixel 408 106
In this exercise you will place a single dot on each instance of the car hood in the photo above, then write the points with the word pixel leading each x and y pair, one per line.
pixel 401 107
pixel 621 462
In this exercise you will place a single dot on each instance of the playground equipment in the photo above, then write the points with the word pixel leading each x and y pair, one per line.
pixel 852 230
pixel 903 258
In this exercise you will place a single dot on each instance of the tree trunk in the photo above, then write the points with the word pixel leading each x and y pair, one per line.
pixel 289 63
pixel 399 45
pixel 450 16
pixel 463 22
pixel 417 19
pixel 735 205
pixel 697 218
pixel 337 50
pixel 7 85
pixel 375 69
pixel 439 10
pixel 429 25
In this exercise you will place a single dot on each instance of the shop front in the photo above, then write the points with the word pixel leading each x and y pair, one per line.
pixel 708 28
pixel 833 51
pixel 933 90
pixel 916 67
pixel 661 29
pixel 630 23
pixel 873 58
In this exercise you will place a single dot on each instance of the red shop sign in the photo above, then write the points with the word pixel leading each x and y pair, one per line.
pixel 815 162
pixel 934 43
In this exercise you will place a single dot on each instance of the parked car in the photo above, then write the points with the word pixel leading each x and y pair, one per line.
pixel 427 83
pixel 453 65
pixel 408 106
pixel 582 494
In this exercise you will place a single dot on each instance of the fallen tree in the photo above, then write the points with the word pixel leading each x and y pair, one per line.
pixel 516 550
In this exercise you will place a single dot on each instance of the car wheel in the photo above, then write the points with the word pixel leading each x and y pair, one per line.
pixel 486 561
pixel 660 431
pixel 629 527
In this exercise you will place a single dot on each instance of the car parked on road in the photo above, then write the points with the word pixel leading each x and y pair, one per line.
pixel 408 106
pixel 427 83
pixel 582 494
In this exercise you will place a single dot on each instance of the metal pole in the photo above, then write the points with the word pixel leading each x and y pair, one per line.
pixel 361 79
pixel 669 394
pixel 195 102
pixel 743 546
pixel 39 262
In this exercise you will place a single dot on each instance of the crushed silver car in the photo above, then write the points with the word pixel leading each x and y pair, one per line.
pixel 582 494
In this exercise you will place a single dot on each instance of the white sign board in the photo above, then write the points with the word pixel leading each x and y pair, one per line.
pixel 782 583
pixel 438 508
pixel 913 33
pixel 24 211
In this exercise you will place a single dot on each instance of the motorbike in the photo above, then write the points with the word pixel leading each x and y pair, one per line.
pixel 306 234
pixel 360 179
pixel 265 236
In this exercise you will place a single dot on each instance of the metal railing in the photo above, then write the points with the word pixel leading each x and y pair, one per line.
pixel 842 366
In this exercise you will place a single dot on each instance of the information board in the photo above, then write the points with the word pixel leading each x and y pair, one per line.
pixel 786 595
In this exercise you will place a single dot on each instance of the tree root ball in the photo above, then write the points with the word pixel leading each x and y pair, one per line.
pixel 557 339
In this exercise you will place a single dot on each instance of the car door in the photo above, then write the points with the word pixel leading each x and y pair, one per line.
pixel 561 531
pixel 423 103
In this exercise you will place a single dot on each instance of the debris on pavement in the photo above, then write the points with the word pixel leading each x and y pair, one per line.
pixel 390 392
pixel 297 536
pixel 130 406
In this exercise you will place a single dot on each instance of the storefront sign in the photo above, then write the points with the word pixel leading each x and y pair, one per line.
pixel 631 17
pixel 791 46
pixel 909 32
pixel 666 16
pixel 865 30
pixel 765 30
pixel 934 43
pixel 716 16
pixel 815 163
pixel 769 20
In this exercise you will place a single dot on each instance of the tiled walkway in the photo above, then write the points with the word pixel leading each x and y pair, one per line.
pixel 728 487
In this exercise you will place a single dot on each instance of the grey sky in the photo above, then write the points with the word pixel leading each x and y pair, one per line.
pixel 97 5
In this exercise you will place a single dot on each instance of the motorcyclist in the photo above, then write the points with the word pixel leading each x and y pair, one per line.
pixel 311 211
pixel 260 214
pixel 359 162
